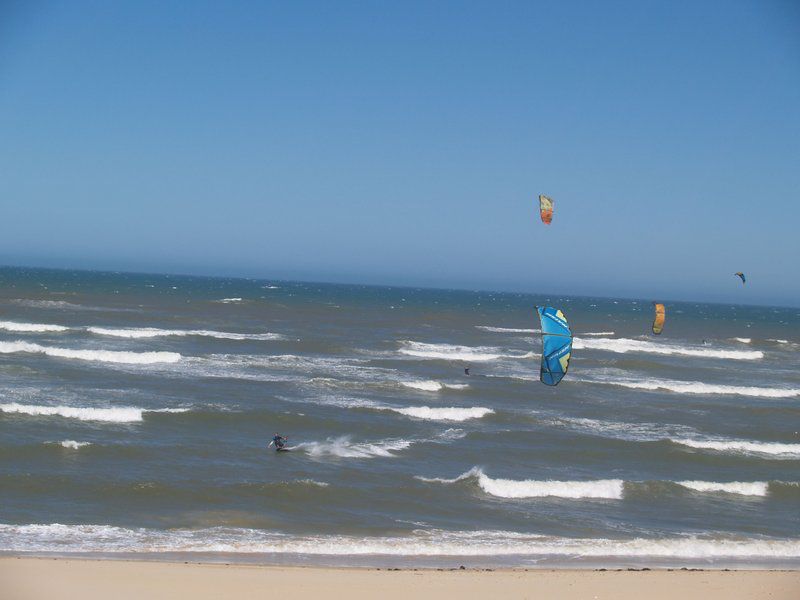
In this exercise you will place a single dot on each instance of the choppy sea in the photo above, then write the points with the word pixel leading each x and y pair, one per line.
pixel 135 411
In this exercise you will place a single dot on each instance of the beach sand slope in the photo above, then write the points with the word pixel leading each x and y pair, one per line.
pixel 67 579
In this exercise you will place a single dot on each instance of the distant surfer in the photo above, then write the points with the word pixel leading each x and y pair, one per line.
pixel 466 371
pixel 279 441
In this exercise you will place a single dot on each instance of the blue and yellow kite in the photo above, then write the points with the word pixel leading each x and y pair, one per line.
pixel 556 345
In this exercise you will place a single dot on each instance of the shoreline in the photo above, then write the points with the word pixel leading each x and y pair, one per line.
pixel 26 578
pixel 385 562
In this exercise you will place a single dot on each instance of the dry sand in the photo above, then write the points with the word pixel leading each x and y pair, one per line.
pixel 68 579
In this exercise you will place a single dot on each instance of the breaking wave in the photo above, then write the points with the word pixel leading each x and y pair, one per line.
pixel 72 444
pixel 343 447
pixel 511 488
pixel 120 414
pixel 743 340
pixel 611 489
pixel 451 352
pixel 107 538
pixel 506 329
pixel 111 356
pixel 442 414
pixel 598 333
pixel 31 327
pixel 753 488
pixel 62 304
pixel 698 387
pixel 151 332
pixel 427 542
pixel 228 300
pixel 777 449
pixel 676 434
pixel 433 386
pixel 625 345
pixel 634 432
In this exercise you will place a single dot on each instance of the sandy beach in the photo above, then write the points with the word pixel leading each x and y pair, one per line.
pixel 29 578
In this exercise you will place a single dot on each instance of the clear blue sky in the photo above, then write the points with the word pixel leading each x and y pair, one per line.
pixel 406 142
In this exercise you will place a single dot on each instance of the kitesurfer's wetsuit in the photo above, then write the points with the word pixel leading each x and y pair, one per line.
pixel 279 442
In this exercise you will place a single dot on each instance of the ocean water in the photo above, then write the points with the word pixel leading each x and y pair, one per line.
pixel 135 411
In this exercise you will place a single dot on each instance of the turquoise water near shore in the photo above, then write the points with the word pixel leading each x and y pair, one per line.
pixel 135 411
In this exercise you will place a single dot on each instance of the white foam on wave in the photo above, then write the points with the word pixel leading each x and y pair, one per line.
pixel 777 449
pixel 433 386
pixel 306 365
pixel 635 432
pixel 778 341
pixel 453 352
pixel 421 542
pixel 119 414
pixel 506 329
pixel 744 488
pixel 625 345
pixel 597 333
pixel 151 332
pixel 345 402
pixel 452 434
pixel 228 300
pixel 451 413
pixel 63 305
pixel 111 356
pixel 743 340
pixel 677 434
pixel 698 387
pixel 343 447
pixel 610 489
pixel 425 386
pixel 312 482
pixel 31 327
pixel 72 444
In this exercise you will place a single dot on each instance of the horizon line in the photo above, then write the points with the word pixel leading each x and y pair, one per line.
pixel 388 286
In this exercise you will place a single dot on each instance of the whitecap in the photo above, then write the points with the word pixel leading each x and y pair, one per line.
pixel 343 447
pixel 611 489
pixel 625 345
pixel 698 387
pixel 744 488
pixel 433 386
pixel 73 445
pixel 118 414
pixel 151 332
pixel 777 449
pixel 454 352
pixel 112 356
pixel 31 327
pixel 451 413
pixel 506 329
pixel 121 414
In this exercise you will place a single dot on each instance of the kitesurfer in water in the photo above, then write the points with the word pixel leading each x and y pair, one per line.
pixel 279 442
pixel 466 371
